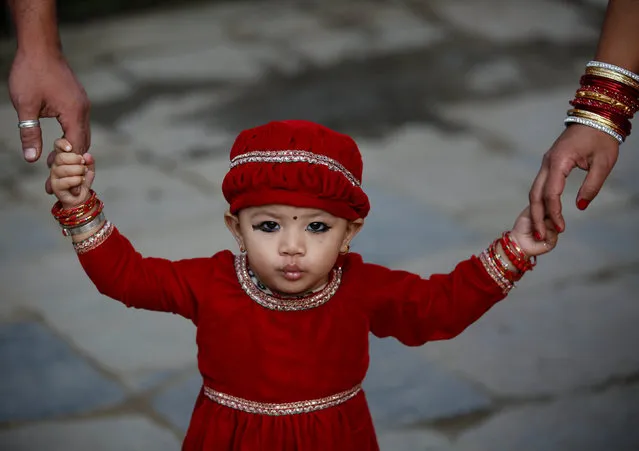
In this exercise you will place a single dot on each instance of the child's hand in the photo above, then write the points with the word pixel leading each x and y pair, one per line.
pixel 70 170
pixel 522 233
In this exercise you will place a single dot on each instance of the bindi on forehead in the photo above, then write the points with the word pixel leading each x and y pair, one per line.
pixel 294 218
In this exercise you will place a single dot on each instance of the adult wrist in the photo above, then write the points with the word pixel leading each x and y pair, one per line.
pixel 607 99
pixel 40 49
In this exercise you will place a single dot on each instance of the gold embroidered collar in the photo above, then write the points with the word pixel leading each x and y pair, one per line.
pixel 274 302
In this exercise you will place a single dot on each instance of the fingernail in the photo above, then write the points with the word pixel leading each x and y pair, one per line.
pixel 68 147
pixel 582 204
pixel 537 236
pixel 558 228
pixel 30 153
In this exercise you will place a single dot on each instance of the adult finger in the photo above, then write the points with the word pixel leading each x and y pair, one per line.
pixel 537 209
pixel 47 185
pixel 76 127
pixel 597 174
pixel 51 158
pixel 553 189
pixel 30 137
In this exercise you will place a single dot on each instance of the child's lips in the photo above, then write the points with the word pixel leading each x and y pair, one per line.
pixel 292 272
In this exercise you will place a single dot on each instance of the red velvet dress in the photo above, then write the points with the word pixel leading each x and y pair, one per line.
pixel 249 351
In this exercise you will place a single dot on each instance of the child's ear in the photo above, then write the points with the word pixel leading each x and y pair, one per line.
pixel 352 229
pixel 233 224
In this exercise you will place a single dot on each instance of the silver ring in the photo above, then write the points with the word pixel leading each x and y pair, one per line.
pixel 29 123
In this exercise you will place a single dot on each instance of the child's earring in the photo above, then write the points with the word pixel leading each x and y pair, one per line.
pixel 345 249
pixel 242 249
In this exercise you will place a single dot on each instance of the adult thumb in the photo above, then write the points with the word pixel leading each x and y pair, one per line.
pixel 77 128
pixel 30 135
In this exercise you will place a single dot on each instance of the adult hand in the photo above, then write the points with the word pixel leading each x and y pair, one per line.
pixel 43 85
pixel 578 146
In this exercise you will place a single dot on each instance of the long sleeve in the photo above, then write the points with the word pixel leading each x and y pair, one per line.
pixel 416 310
pixel 120 272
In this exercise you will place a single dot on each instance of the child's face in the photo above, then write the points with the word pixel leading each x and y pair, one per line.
pixel 292 250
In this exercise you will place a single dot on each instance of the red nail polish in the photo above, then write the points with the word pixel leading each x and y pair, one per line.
pixel 537 236
pixel 582 204
pixel 558 228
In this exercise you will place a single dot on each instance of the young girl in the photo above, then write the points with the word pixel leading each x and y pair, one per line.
pixel 282 327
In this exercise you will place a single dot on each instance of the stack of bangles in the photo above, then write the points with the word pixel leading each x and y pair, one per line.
pixel 85 218
pixel 607 99
pixel 497 266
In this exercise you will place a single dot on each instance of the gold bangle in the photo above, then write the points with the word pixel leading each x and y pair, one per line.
pixel 592 95
pixel 597 118
pixel 606 73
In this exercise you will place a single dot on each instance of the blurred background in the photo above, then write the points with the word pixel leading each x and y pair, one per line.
pixel 453 103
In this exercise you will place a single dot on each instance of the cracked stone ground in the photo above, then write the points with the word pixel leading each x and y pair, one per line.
pixel 452 102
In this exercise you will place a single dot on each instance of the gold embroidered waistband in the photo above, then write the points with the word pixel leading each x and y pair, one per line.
pixel 278 409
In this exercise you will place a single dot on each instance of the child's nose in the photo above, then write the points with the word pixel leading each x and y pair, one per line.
pixel 292 243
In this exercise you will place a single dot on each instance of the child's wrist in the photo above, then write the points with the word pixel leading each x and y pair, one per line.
pixel 68 205
pixel 517 238
pixel 510 264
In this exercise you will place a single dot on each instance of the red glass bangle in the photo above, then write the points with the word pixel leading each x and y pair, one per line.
pixel 612 85
pixel 77 211
pixel 629 102
pixel 507 273
pixel 605 110
pixel 622 123
pixel 634 106
pixel 514 253
pixel 598 105
pixel 77 221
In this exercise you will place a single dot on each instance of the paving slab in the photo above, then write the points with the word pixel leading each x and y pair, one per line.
pixel 420 392
pixel 549 341
pixel 413 440
pixel 529 122
pixel 28 232
pixel 492 77
pixel 615 235
pixel 177 401
pixel 216 61
pixel 434 167
pixel 131 343
pixel 517 20
pixel 106 84
pixel 399 228
pixel 589 422
pixel 146 33
pixel 173 127
pixel 624 175
pixel 43 377
pixel 137 197
pixel 130 432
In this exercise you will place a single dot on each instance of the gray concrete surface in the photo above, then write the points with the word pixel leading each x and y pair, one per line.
pixel 453 104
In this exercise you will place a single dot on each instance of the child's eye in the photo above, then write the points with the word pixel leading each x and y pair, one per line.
pixel 267 226
pixel 317 227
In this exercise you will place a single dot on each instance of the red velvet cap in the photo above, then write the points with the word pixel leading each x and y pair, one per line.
pixel 296 163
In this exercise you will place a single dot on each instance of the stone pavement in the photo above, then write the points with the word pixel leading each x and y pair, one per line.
pixel 453 103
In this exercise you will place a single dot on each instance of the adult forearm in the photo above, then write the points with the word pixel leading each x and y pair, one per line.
pixel 619 41
pixel 36 25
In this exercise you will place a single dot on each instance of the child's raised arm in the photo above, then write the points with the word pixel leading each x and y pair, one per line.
pixel 416 310
pixel 108 258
